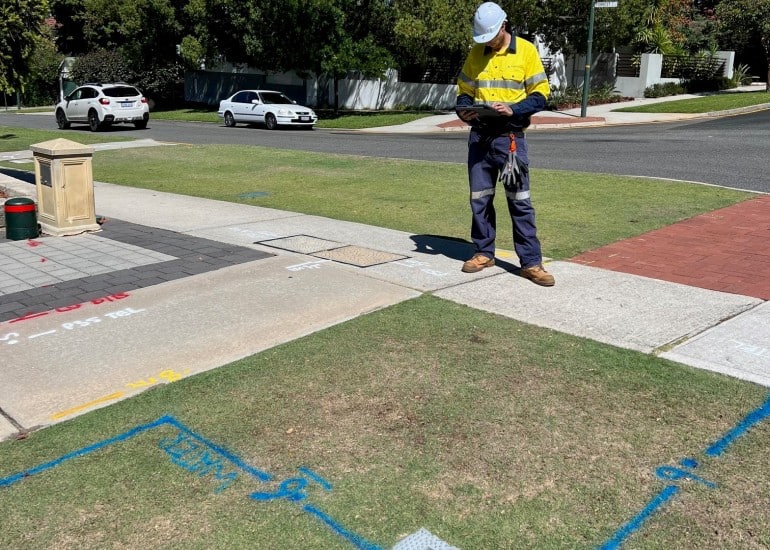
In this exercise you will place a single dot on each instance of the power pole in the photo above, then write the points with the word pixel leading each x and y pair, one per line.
pixel 587 74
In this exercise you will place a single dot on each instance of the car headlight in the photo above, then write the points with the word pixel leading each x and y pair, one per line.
pixel 285 112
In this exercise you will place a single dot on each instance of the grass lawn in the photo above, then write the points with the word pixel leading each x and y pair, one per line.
pixel 490 433
pixel 303 182
pixel 706 104
pixel 326 119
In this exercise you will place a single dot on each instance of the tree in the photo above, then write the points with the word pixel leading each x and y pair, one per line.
pixel 42 82
pixel 142 34
pixel 426 29
pixel 747 23
pixel 21 25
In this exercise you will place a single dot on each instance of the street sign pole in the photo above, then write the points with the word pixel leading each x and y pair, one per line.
pixel 587 73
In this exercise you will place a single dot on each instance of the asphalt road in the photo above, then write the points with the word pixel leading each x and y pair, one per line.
pixel 729 151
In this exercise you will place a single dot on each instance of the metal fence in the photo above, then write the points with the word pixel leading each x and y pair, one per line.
pixel 692 67
pixel 628 65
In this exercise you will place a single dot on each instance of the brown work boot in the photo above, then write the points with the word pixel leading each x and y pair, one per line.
pixel 538 275
pixel 477 263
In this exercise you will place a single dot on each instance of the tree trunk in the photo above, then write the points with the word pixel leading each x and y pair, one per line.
pixel 766 44
pixel 336 94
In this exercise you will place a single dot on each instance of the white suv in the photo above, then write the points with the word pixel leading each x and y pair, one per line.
pixel 100 105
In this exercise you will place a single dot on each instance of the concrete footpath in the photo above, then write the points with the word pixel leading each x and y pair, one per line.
pixel 596 115
pixel 175 285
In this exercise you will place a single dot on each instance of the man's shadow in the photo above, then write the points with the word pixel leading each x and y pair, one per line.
pixel 454 248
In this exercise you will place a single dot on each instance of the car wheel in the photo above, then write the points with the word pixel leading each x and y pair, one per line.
pixel 61 120
pixel 270 122
pixel 140 124
pixel 93 121
pixel 229 119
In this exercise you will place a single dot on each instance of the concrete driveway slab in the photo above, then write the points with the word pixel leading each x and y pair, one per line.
pixel 6 429
pixel 618 309
pixel 739 347
pixel 66 362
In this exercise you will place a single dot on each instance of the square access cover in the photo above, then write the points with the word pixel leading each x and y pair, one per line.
pixel 359 256
pixel 301 244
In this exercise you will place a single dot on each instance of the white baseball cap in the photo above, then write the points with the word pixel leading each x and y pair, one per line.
pixel 486 22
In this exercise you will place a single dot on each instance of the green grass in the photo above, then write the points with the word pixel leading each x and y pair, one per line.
pixel 707 104
pixel 489 432
pixel 385 193
pixel 19 139
pixel 382 192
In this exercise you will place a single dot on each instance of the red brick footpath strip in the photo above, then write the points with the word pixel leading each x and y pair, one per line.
pixel 726 250
pixel 536 120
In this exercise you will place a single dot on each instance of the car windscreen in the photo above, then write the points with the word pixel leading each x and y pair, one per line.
pixel 274 97
pixel 121 91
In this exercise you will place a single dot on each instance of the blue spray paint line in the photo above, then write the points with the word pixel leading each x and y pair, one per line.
pixel 251 470
pixel 291 489
pixel 352 538
pixel 625 531
pixel 162 421
pixel 753 418
pixel 315 477
pixel 666 472
pixel 10 480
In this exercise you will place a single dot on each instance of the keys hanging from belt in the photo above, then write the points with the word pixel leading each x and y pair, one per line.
pixel 510 175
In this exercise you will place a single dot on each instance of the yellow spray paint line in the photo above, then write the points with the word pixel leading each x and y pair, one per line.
pixel 73 410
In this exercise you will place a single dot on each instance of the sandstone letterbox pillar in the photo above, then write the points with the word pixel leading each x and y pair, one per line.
pixel 65 187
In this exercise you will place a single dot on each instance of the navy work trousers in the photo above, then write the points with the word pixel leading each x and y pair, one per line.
pixel 486 158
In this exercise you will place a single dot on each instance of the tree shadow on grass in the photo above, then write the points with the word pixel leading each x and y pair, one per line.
pixel 22 175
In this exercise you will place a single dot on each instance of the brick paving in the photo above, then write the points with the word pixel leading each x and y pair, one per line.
pixel 542 119
pixel 726 250
pixel 56 272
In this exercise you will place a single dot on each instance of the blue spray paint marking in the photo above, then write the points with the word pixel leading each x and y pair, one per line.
pixel 10 480
pixel 180 447
pixel 293 490
pixel 315 477
pixel 674 474
pixel 251 470
pixel 354 539
pixel 196 458
pixel 624 532
pixel 754 417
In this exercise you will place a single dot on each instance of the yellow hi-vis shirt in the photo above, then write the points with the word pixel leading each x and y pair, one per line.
pixel 507 76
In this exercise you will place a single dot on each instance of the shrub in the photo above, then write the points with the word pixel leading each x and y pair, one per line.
pixel 741 75
pixel 664 89
pixel 716 84
pixel 102 66
pixel 572 96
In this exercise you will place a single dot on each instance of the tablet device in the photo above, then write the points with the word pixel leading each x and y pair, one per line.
pixel 482 109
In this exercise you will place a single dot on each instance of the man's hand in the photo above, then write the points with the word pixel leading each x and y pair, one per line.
pixel 503 108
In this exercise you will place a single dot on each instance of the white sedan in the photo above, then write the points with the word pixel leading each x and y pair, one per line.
pixel 266 107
